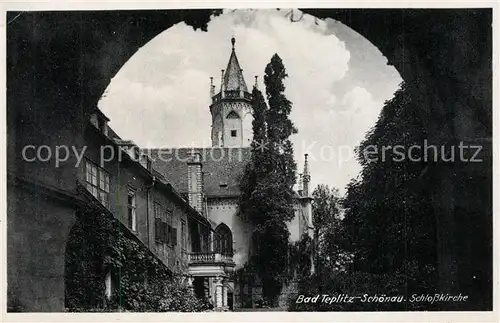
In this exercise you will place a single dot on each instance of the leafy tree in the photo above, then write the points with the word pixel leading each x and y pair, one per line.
pixel 329 259
pixel 389 224
pixel 387 233
pixel 326 210
pixel 267 184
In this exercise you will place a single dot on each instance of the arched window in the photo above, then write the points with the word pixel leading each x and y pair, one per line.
pixel 223 240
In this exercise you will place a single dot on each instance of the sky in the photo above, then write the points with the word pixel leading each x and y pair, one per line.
pixel 337 81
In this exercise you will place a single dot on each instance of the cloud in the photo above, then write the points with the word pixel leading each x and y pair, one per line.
pixel 335 133
pixel 167 80
pixel 161 95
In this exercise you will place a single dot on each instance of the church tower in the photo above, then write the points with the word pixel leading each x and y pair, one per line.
pixel 231 108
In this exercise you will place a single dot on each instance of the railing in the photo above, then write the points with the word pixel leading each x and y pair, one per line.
pixel 216 97
pixel 232 94
pixel 209 258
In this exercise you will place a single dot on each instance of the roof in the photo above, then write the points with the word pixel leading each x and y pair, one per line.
pixel 112 134
pixel 233 76
pixel 116 140
pixel 222 168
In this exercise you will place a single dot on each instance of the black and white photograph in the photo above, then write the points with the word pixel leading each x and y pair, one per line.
pixel 249 160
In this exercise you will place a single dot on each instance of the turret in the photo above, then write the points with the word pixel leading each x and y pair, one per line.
pixel 231 107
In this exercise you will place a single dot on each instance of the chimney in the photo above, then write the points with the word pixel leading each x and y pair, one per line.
pixel 195 181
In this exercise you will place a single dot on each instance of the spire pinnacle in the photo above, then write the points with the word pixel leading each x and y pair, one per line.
pixel 221 80
pixel 305 177
pixel 212 86
pixel 233 76
pixel 300 188
pixel 306 165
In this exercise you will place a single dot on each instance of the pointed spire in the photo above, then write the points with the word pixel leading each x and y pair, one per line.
pixel 306 165
pixel 306 177
pixel 222 89
pixel 256 85
pixel 233 77
pixel 212 86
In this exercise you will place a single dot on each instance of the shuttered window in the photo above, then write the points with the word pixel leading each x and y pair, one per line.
pixel 165 233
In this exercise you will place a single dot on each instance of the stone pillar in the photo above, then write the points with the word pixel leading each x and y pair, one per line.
pixel 218 292
pixel 224 293
pixel 189 281
pixel 212 245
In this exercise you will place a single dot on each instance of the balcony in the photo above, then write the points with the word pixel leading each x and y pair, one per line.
pixel 209 258
pixel 232 94
pixel 210 263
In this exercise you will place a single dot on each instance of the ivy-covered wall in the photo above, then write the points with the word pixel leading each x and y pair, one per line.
pixel 99 246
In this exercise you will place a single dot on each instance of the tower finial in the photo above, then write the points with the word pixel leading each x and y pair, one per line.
pixel 256 81
pixel 233 41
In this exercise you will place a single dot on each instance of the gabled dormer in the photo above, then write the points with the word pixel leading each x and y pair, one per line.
pixel 100 121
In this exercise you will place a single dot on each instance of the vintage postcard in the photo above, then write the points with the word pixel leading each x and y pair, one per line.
pixel 241 162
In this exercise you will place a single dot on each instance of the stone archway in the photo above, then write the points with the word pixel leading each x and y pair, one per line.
pixel 38 226
pixel 72 66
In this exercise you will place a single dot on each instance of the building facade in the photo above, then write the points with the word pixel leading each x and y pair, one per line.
pixel 180 205
pixel 114 174
pixel 210 182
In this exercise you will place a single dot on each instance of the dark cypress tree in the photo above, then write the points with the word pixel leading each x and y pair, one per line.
pixel 279 130
pixel 251 204
pixel 267 184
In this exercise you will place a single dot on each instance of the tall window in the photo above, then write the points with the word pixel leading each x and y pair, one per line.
pixel 165 233
pixel 171 231
pixel 132 216
pixel 108 282
pixel 223 240
pixel 158 220
pixel 183 235
pixel 97 182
